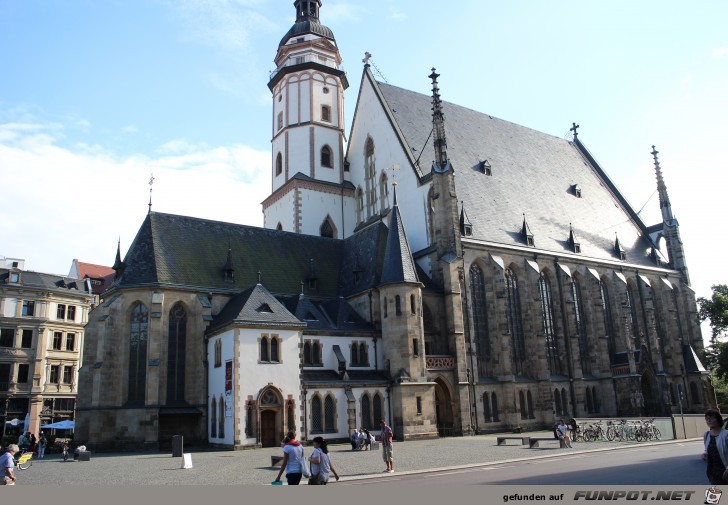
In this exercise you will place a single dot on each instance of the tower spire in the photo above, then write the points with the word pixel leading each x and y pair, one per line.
pixel 438 124
pixel 665 207
pixel 307 10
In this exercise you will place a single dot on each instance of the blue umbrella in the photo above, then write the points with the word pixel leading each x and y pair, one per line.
pixel 61 425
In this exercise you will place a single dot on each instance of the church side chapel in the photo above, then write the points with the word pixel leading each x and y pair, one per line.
pixel 445 270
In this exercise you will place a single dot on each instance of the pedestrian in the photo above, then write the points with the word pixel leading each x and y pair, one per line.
pixel 367 439
pixel 7 463
pixel 292 460
pixel 24 441
pixel 354 439
pixel 386 434
pixel 42 443
pixel 563 433
pixel 321 467
pixel 716 448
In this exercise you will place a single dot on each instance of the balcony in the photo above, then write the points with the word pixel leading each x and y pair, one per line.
pixel 440 362
pixel 306 58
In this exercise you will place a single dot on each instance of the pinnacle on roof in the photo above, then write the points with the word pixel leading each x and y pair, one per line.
pixel 399 266
pixel 438 126
pixel 618 249
pixel 574 243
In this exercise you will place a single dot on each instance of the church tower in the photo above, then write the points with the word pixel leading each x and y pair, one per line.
pixel 670 226
pixel 308 193
pixel 400 293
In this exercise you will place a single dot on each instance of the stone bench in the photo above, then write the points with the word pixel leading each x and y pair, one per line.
pixel 521 440
pixel 534 442
pixel 276 460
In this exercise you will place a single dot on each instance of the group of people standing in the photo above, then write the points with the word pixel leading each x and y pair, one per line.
pixel 294 461
pixel 29 442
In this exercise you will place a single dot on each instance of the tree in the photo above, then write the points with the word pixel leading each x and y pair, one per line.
pixel 715 309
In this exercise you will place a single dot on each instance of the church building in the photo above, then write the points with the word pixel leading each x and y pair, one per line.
pixel 440 268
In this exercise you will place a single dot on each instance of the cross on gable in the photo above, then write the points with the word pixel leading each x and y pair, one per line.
pixel 367 56
pixel 574 129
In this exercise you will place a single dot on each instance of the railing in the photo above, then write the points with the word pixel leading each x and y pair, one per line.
pixel 298 60
pixel 440 362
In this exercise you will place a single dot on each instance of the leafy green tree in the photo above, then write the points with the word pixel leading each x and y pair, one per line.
pixel 715 309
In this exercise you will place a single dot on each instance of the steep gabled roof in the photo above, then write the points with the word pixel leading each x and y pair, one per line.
pixel 254 306
pixel 398 266
pixel 532 172
pixel 186 251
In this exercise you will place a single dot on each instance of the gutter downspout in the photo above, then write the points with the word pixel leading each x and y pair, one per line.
pixel 569 367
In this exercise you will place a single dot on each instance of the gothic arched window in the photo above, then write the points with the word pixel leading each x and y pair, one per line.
pixel 384 192
pixel 327 230
pixel 608 322
pixel 316 353
pixel 366 415
pixel 547 317
pixel 307 359
pixel 522 404
pixel 326 158
pixel 316 415
pixel 632 313
pixel 369 172
pixel 580 324
pixel 138 353
pixel 279 164
pixel 264 349
pixel 515 324
pixel 377 409
pixel 359 205
pixel 354 353
pixel 480 320
pixel 221 429
pixel 213 418
pixel 274 350
pixel 363 354
pixel 329 414
pixel 494 407
pixel 176 354
pixel 486 408
pixel 529 401
pixel 398 305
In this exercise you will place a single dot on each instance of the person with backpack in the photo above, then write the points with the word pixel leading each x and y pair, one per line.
pixel 716 448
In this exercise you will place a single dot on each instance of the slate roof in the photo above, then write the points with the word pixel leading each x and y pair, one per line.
pixel 398 266
pixel 532 173
pixel 307 26
pixel 48 282
pixel 257 306
pixel 192 252
pixel 330 315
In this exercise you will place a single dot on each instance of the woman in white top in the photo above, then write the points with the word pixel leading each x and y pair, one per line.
pixel 321 466
pixel 564 433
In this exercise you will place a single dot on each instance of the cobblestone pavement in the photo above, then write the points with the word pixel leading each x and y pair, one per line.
pixel 252 467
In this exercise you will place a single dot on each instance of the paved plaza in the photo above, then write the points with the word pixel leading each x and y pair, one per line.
pixel 252 467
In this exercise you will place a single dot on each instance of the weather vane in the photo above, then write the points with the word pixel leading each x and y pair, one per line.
pixel 151 182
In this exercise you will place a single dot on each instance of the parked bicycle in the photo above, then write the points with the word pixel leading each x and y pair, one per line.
pixel 24 459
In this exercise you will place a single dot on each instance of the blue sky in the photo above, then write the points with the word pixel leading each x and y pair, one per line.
pixel 97 95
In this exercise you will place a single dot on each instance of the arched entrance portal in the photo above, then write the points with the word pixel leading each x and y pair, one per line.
pixel 270 407
pixel 651 394
pixel 443 409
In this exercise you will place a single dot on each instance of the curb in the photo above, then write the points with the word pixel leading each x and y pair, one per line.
pixel 516 460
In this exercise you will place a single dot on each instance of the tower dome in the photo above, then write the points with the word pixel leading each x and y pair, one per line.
pixel 307 21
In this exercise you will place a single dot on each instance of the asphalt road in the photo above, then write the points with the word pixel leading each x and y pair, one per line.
pixel 666 464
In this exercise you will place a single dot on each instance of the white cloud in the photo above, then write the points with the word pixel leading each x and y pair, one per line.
pixel 397 14
pixel 720 52
pixel 130 129
pixel 75 203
